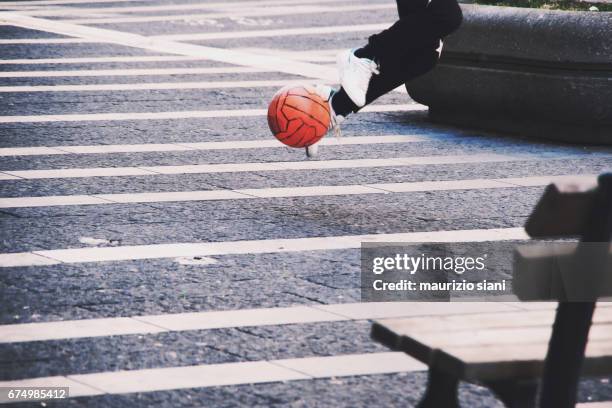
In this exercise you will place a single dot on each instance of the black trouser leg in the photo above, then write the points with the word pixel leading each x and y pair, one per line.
pixel 419 25
pixel 392 74
pixel 396 72
pixel 407 49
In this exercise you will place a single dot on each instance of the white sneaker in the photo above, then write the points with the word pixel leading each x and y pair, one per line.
pixel 355 75
pixel 326 93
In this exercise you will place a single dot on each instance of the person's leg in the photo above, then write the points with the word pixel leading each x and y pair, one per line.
pixel 405 7
pixel 414 52
pixel 419 25
pixel 413 41
pixel 393 74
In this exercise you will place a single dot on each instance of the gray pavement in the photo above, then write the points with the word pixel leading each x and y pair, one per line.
pixel 235 282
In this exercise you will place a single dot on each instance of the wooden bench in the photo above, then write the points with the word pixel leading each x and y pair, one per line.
pixel 510 352
pixel 502 350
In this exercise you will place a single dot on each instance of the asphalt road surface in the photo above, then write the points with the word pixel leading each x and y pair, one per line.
pixel 159 247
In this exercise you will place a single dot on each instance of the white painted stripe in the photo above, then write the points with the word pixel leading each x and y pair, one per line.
pixel 160 323
pixel 21 41
pixel 144 86
pixel 283 32
pixel 173 250
pixel 253 12
pixel 349 365
pixel 129 72
pixel 530 181
pixel 187 146
pixel 231 113
pixel 309 191
pixel 383 310
pixel 91 172
pixel 539 180
pixel 7 177
pixel 261 166
pixel 74 329
pixel 210 195
pixel 28 259
pixel 278 192
pixel 475 184
pixel 97 60
pixel 25 6
pixel 40 12
pixel 274 33
pixel 118 326
pixel 66 12
pixel 29 151
pixel 29 3
pixel 133 116
pixel 250 372
pixel 310 56
pixel 210 375
pixel 173 47
pixel 17 202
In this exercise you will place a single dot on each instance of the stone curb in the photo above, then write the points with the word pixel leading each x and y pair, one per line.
pixel 531 72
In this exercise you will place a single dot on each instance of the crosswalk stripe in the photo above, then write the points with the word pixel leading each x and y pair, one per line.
pixel 171 7
pixel 274 33
pixel 326 55
pixel 161 323
pixel 129 72
pixel 98 60
pixel 284 32
pixel 189 146
pixel 22 3
pixel 157 45
pixel 279 192
pixel 25 6
pixel 199 114
pixel 34 41
pixel 263 166
pixel 153 86
pixel 349 365
pixel 173 250
pixel 312 56
pixel 119 326
pixel 7 177
pixel 210 375
pixel 236 13
pixel 66 12
pixel 254 12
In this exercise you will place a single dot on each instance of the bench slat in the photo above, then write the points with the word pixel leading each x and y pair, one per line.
pixel 514 320
pixel 488 363
pixel 500 337
pixel 486 346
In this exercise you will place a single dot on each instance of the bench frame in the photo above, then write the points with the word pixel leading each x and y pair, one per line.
pixel 573 320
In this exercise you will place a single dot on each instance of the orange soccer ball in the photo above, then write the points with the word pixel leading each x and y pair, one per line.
pixel 298 116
